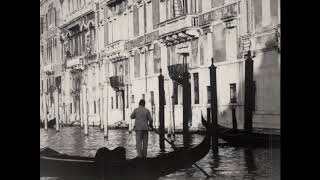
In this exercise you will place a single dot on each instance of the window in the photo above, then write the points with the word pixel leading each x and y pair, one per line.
pixel 111 102
pixel 196 87
pixel 266 14
pixel 233 91
pixel 216 3
pixel 137 64
pixel 157 58
pixel 127 96
pixel 209 94
pixel 94 107
pixel 106 33
pixel 219 43
pixel 132 98
pixel 152 97
pixel 41 25
pixel 175 92
pixel 117 101
pixel 70 108
pixel 135 21
pixel 155 13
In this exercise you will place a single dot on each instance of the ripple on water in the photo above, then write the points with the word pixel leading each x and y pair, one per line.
pixel 231 163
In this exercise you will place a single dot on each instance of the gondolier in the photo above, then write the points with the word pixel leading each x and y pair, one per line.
pixel 142 124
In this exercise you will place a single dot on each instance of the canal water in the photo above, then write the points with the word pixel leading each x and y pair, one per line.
pixel 231 163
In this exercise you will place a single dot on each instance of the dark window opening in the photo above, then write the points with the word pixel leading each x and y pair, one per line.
pixel 196 88
pixel 209 94
pixel 117 101
pixel 175 92
pixel 152 97
pixel 111 102
pixel 94 107
pixel 132 98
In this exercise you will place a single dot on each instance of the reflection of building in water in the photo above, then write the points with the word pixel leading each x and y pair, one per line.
pixel 115 49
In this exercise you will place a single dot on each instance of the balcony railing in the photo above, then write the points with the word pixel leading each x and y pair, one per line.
pixel 48 68
pixel 141 40
pixel 178 23
pixel 220 13
pixel 176 72
pixel 117 83
pixel 114 47
pixel 76 61
pixel 79 12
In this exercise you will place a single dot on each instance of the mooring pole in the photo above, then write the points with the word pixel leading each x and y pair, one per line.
pixel 234 119
pixel 186 106
pixel 161 110
pixel 248 92
pixel 57 117
pixel 214 106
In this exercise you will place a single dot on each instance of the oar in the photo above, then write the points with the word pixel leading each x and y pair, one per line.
pixel 175 148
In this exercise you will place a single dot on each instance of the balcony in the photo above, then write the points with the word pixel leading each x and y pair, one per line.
pixel 142 40
pixel 224 13
pixel 114 48
pixel 176 72
pixel 179 29
pixel 117 83
pixel 75 62
pixel 178 24
pixel 48 69
pixel 89 7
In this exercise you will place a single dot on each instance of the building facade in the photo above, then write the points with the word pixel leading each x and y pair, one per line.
pixel 51 71
pixel 114 50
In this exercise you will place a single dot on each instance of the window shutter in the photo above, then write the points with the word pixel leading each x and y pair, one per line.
pixel 157 58
pixel 155 13
pixel 135 21
pixel 41 25
pixel 106 33
pixel 47 22
pixel 137 64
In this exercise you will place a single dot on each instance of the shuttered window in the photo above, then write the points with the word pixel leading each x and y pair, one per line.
pixel 106 33
pixel 196 87
pixel 219 43
pixel 155 13
pixel 175 92
pixel 157 58
pixel 136 64
pixel 135 21
pixel 41 25
pixel 216 3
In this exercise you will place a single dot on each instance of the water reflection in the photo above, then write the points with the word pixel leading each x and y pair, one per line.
pixel 229 163
pixel 250 162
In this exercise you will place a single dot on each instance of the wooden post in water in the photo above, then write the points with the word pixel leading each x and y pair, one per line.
pixel 186 105
pixel 248 93
pixel 85 111
pixel 57 115
pixel 234 119
pixel 105 129
pixel 161 110
pixel 214 106
pixel 46 115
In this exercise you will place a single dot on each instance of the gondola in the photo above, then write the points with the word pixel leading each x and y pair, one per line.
pixel 111 165
pixel 238 137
